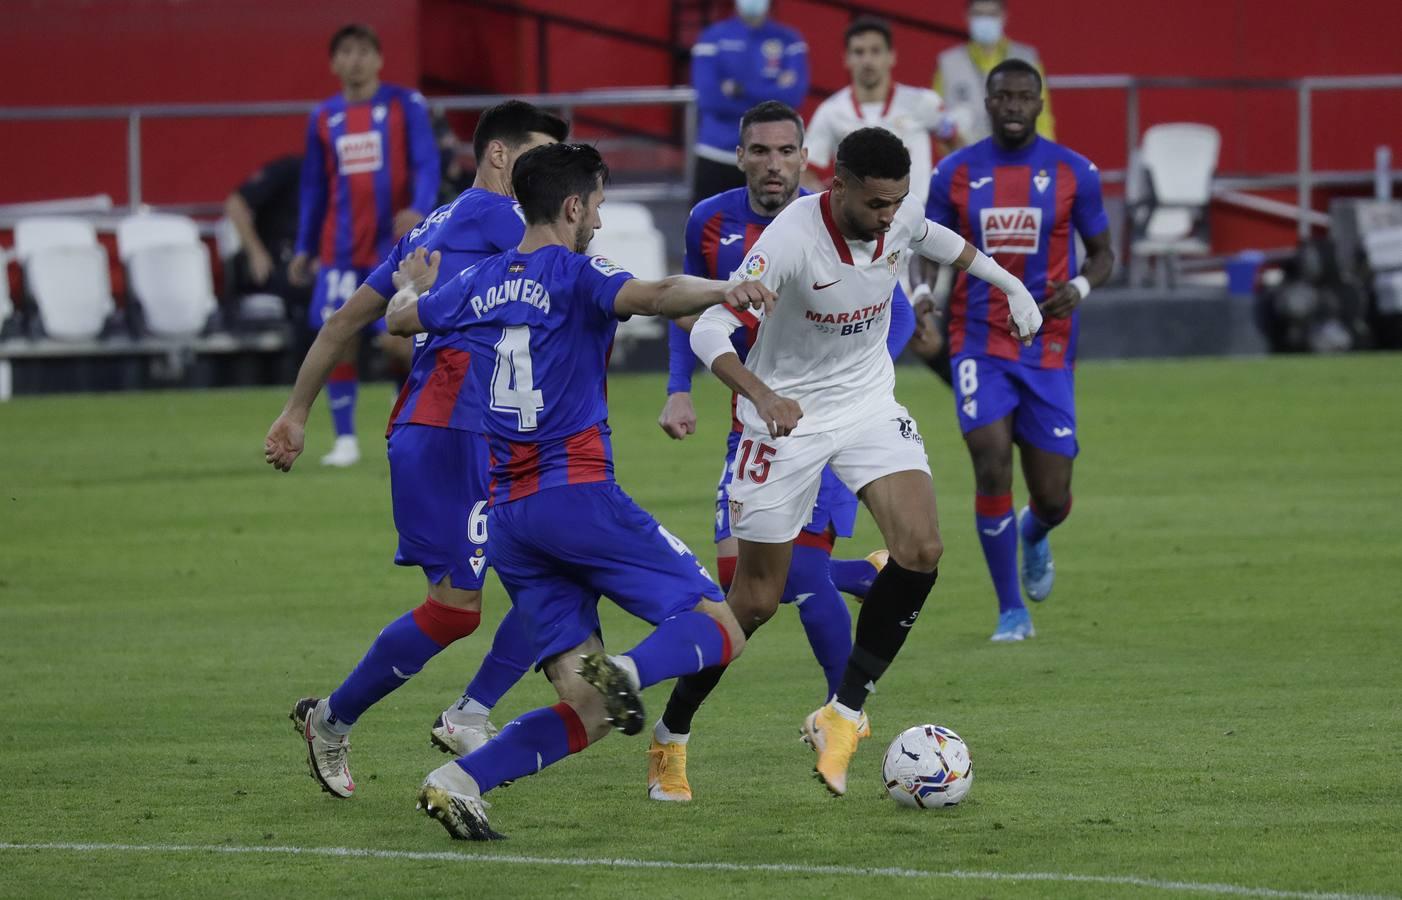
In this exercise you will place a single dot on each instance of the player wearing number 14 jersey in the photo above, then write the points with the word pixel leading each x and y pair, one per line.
pixel 818 390
pixel 538 322
pixel 1022 199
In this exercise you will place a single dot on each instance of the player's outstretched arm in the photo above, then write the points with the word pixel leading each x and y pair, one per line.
pixel 284 442
pixel 949 248
pixel 686 295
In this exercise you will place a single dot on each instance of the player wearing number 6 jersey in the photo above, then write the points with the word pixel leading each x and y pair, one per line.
pixel 538 322
pixel 437 466
pixel 818 389
pixel 1020 197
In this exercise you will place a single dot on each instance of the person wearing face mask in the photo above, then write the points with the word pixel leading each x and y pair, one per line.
pixel 736 64
pixel 962 71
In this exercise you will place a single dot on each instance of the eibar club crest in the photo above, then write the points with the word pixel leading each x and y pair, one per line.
pixel 1041 180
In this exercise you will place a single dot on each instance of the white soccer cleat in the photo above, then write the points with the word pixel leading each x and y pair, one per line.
pixel 460 733
pixel 451 797
pixel 328 756
pixel 345 452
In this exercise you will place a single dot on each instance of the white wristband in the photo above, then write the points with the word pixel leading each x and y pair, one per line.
pixel 1082 285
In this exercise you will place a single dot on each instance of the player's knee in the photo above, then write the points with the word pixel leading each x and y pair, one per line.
pixel 992 476
pixel 725 618
pixel 588 705
pixel 918 552
pixel 445 593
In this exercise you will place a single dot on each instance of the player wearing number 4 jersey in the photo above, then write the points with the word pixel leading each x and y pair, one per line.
pixel 437 465
pixel 538 322
pixel 818 389
pixel 1020 197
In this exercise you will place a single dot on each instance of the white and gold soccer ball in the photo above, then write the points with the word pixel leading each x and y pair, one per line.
pixel 927 767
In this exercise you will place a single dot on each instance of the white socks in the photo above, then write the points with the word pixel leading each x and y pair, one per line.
pixel 663 736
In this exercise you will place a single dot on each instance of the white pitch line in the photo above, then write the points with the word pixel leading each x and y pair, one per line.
pixel 1233 890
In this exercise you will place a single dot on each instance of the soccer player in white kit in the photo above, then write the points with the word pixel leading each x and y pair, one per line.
pixel 818 389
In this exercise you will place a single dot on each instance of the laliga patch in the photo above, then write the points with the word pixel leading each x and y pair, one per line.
pixel 754 266
pixel 605 266
pixel 1011 229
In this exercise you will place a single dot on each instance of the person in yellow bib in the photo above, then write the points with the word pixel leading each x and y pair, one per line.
pixel 961 71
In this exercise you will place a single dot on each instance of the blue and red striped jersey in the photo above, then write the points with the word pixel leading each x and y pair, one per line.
pixel 476 225
pixel 365 161
pixel 1019 207
pixel 538 327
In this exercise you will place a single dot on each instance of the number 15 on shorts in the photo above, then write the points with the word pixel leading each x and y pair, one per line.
pixel 754 461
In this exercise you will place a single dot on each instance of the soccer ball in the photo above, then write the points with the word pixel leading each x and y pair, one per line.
pixel 927 767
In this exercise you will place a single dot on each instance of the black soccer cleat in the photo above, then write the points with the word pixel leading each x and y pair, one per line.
pixel 622 701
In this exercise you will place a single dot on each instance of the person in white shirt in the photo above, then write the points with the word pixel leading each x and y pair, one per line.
pixel 818 389
pixel 874 98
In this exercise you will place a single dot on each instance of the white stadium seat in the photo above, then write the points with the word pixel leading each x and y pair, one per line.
pixel 45 232
pixel 174 284
pixel 629 238
pixel 71 290
pixel 6 307
pixel 1180 159
pixel 154 230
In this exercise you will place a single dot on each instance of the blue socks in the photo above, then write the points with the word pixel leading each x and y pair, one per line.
pixel 851 576
pixel 509 659
pixel 341 389
pixel 822 611
pixel 997 531
pixel 538 739
pixel 397 655
pixel 681 645
pixel 1040 522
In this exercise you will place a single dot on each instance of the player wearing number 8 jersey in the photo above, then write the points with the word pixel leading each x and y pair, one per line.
pixel 538 322
pixel 1022 198
pixel 833 261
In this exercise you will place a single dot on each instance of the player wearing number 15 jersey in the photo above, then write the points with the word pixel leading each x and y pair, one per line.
pixel 1022 199
pixel 538 322
pixel 818 389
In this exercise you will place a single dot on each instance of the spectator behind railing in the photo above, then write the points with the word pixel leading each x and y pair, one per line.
pixel 263 210
pixel 962 70
pixel 736 64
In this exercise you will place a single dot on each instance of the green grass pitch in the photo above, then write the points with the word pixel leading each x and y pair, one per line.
pixel 1214 697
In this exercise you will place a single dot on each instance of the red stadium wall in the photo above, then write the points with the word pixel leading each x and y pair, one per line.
pixel 83 52
pixel 140 51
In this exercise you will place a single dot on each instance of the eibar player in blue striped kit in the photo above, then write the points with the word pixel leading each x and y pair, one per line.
pixel 538 322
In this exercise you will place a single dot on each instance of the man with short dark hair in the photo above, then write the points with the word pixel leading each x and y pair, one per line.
pixel 369 174
pixel 874 98
pixel 1022 199
pixel 537 322
pixel 735 64
pixel 832 260
pixel 719 234
pixel 437 463
pixel 263 211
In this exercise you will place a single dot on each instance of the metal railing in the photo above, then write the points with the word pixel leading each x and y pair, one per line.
pixel 1231 189
pixel 1304 179
pixel 565 103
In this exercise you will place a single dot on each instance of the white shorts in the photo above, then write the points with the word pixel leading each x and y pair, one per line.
pixel 775 480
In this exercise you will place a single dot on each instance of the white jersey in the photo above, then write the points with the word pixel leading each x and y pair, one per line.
pixel 910 113
pixel 824 343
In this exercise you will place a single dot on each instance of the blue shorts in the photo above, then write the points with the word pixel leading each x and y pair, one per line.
pixel 438 485
pixel 836 506
pixel 1041 401
pixel 558 550
pixel 333 288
